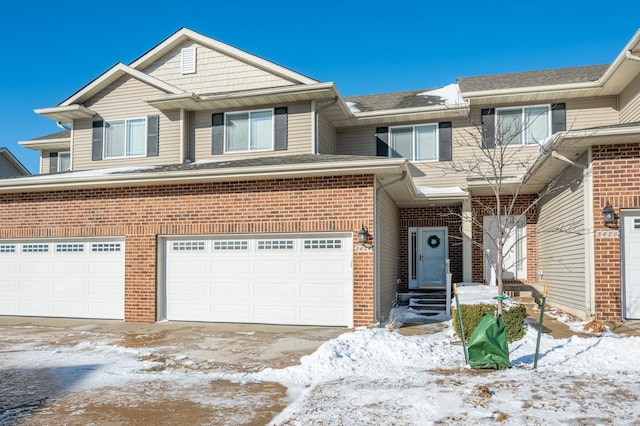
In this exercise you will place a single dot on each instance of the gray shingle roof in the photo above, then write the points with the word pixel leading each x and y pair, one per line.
pixel 394 100
pixel 532 78
pixel 65 134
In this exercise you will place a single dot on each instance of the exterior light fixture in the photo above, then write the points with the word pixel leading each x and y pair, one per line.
pixel 363 235
pixel 609 215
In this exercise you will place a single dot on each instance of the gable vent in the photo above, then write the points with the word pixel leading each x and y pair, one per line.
pixel 188 60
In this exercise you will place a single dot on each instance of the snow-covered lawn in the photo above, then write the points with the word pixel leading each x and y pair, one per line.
pixel 368 376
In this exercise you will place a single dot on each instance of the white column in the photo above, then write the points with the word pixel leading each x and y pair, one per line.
pixel 467 267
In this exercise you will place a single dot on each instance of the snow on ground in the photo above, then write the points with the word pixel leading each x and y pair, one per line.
pixel 372 376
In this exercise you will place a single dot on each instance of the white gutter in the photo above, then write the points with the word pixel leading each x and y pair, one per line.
pixel 405 111
pixel 532 89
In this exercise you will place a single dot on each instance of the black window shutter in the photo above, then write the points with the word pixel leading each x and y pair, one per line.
pixel 382 141
pixel 488 128
pixel 445 141
pixel 53 162
pixel 153 149
pixel 217 134
pixel 280 124
pixel 97 140
pixel 558 118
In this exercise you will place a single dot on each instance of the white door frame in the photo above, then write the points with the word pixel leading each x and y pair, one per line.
pixel 416 280
pixel 626 216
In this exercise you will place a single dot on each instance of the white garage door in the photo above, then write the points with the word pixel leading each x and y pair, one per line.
pixel 272 280
pixel 631 266
pixel 71 279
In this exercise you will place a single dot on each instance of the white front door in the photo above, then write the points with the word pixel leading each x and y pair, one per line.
pixel 513 249
pixel 428 254
pixel 631 265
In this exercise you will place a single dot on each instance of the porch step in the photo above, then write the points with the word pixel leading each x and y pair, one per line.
pixel 428 303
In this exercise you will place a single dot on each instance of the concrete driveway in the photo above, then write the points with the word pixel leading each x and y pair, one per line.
pixel 178 362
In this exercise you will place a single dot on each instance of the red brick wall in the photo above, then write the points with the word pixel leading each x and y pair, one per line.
pixel 616 179
pixel 140 214
pixel 426 217
pixel 479 210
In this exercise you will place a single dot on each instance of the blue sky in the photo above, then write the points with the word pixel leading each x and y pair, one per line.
pixel 53 48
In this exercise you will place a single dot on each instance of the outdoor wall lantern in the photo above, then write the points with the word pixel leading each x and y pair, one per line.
pixel 363 235
pixel 609 215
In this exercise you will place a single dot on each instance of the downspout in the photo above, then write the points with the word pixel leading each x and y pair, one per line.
pixel 315 123
pixel 631 56
pixel 62 125
pixel 376 254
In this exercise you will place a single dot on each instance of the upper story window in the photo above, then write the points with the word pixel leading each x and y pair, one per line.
pixel 418 143
pixel 249 131
pixel 125 138
pixel 64 161
pixel 523 125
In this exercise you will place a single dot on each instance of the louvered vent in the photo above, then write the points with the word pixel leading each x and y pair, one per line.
pixel 189 60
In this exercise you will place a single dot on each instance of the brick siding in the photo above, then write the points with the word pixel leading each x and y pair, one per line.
pixel 140 214
pixel 616 179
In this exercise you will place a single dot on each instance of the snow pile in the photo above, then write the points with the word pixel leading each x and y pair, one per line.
pixel 352 107
pixel 449 94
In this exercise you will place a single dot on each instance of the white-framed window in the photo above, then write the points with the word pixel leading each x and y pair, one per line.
pixel 188 246
pixel 275 244
pixel 64 161
pixel 226 245
pixel 106 247
pixel 417 143
pixel 249 131
pixel 523 125
pixel 125 138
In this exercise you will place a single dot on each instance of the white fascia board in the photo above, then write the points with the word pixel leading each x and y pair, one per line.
pixel 44 144
pixel 315 87
pixel 185 34
pixel 632 44
pixel 533 89
pixel 117 71
pixel 66 113
pixel 69 180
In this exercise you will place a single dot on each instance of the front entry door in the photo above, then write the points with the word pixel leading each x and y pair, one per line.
pixel 429 257
pixel 631 235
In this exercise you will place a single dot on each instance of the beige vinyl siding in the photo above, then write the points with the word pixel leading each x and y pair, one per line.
pixel 592 112
pixel 215 72
pixel 326 136
pixel 120 100
pixel 7 169
pixel 630 102
pixel 560 244
pixel 299 136
pixel 387 245
pixel 44 162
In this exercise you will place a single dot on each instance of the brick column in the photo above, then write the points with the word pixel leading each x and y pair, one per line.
pixel 140 278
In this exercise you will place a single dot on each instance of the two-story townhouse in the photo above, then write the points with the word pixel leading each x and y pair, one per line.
pixel 204 183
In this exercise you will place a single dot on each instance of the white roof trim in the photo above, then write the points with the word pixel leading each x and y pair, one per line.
pixel 187 34
pixel 107 77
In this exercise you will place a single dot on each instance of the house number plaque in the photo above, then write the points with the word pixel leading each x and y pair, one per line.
pixel 608 234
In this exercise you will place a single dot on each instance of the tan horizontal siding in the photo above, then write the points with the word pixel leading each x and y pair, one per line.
pixel 561 248
pixel 592 112
pixel 388 246
pixel 326 136
pixel 630 102
pixel 299 137
pixel 215 72
pixel 123 99
pixel 44 162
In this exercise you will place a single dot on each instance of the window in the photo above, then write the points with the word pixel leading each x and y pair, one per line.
pixel 64 161
pixel 418 143
pixel 69 248
pixel 188 246
pixel 322 244
pixel 224 245
pixel 275 244
pixel 523 125
pixel 249 131
pixel 106 247
pixel 125 138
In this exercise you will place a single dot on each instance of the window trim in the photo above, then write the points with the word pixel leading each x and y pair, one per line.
pixel 413 141
pixel 249 112
pixel 125 120
pixel 523 130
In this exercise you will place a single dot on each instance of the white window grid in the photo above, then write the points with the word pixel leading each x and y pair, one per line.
pixel 69 248
pixel 188 246
pixel 223 245
pixel 318 244
pixel 7 248
pixel 104 247
pixel 35 248
pixel 275 245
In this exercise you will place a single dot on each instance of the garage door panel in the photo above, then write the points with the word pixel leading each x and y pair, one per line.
pixel 64 278
pixel 263 280
pixel 230 290
pixel 189 311
pixel 189 289
pixel 7 287
pixel 183 266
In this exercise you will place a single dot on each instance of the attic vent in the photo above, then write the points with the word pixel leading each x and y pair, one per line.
pixel 189 60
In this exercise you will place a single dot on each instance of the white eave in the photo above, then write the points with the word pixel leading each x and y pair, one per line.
pixel 129 177
pixel 67 113
pixel 185 34
pixel 56 144
pixel 398 115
